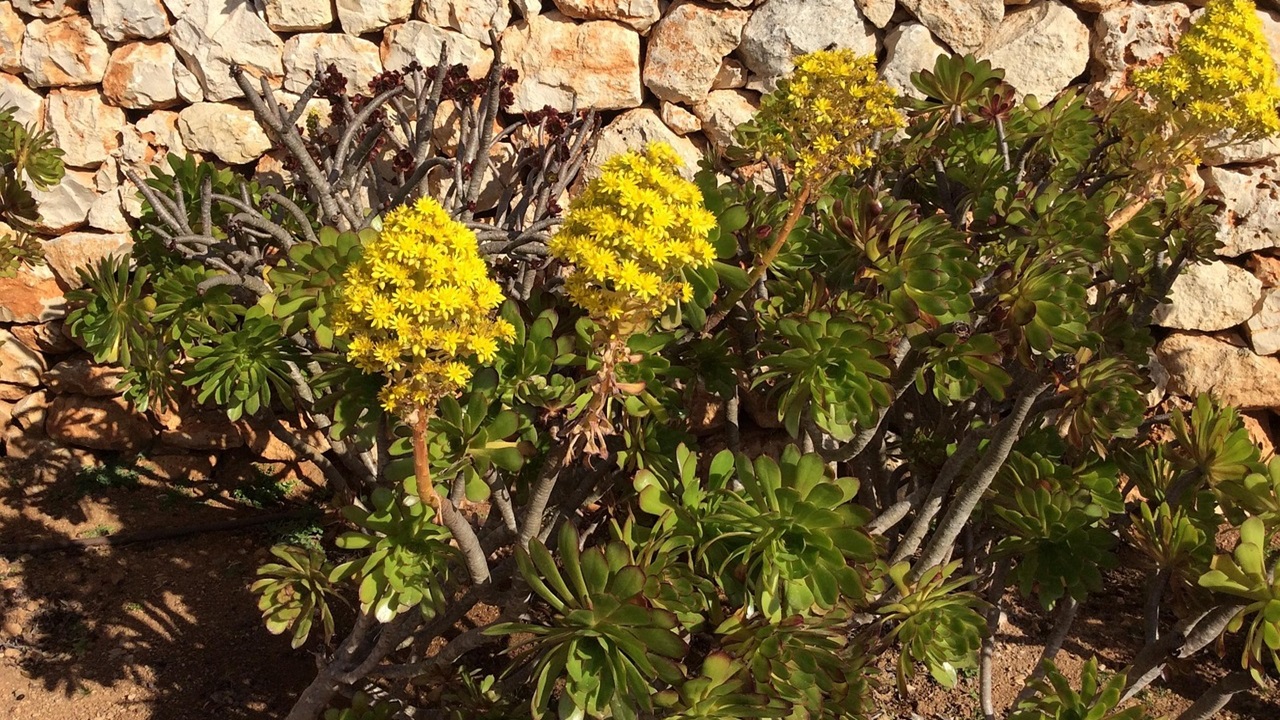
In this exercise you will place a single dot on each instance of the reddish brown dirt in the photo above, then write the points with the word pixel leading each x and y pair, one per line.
pixel 163 631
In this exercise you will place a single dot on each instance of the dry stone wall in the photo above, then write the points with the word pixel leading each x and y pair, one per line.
pixel 122 83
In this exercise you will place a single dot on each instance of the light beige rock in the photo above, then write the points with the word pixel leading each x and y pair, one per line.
pixel 107 213
pixel 202 431
pixel 909 48
pixel 1250 214
pixel 1042 47
pixel 359 17
pixel 141 76
pixel 1131 37
pixel 779 30
pixel 565 64
pixel 679 119
pixel 50 338
pixel 12 29
pixel 83 125
pixel 189 88
pixel 27 104
pixel 358 60
pixel 1223 151
pixel 213 35
pixel 299 15
pixel 963 25
pixel 65 206
pixel 68 253
pixel 640 15
pixel 97 423
pixel 18 364
pixel 82 376
pixel 31 295
pixel 1095 6
pixel 63 52
pixel 688 47
pixel 160 129
pixel 1264 326
pixel 228 131
pixel 1232 374
pixel 119 20
pixel 473 18
pixel 879 12
pixel 633 130
pixel 733 75
pixel 416 40
pixel 48 9
pixel 1210 297
pixel 723 111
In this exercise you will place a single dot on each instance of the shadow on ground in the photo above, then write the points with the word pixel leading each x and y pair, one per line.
pixel 162 630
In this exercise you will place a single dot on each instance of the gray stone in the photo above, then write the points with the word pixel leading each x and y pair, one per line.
pixel 687 49
pixel 63 52
pixel 83 125
pixel 909 48
pixel 963 25
pixel 119 20
pixel 358 60
pixel 214 35
pixel 1042 47
pixel 1209 297
pixel 779 30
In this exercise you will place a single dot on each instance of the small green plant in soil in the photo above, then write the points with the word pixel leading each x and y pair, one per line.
pixel 92 479
pixel 263 490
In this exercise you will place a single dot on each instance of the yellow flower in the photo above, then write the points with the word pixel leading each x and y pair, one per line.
pixel 1222 76
pixel 827 112
pixel 630 236
pixel 418 305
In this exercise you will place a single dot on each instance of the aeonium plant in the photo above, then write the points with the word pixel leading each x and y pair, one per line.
pixel 727 448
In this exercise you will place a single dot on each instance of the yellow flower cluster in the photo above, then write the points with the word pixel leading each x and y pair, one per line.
pixel 827 111
pixel 418 305
pixel 630 235
pixel 1222 75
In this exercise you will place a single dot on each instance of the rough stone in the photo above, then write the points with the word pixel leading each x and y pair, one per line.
pixel 120 20
pixel 141 76
pixel 472 18
pixel 680 120
pixel 359 17
pixel 299 15
pixel 50 338
pixel 416 40
pixel 1266 269
pixel 566 64
pixel 97 423
pixel 67 253
pixel 1131 37
pixel 640 15
pixel 27 104
pixel 228 131
pixel 1264 327
pixel 32 295
pixel 1042 47
pixel 634 129
pixel 83 125
pixel 63 52
pixel 213 35
pixel 687 49
pixel 879 12
pixel 723 111
pixel 81 376
pixel 203 431
pixel 909 47
pixel 107 213
pixel 1250 214
pixel 171 467
pixel 12 29
pixel 267 446
pixel 963 25
pixel 1210 297
pixel 358 60
pixel 65 206
pixel 1233 375
pixel 731 76
pixel 49 9
pixel 18 364
pixel 779 30
pixel 30 411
